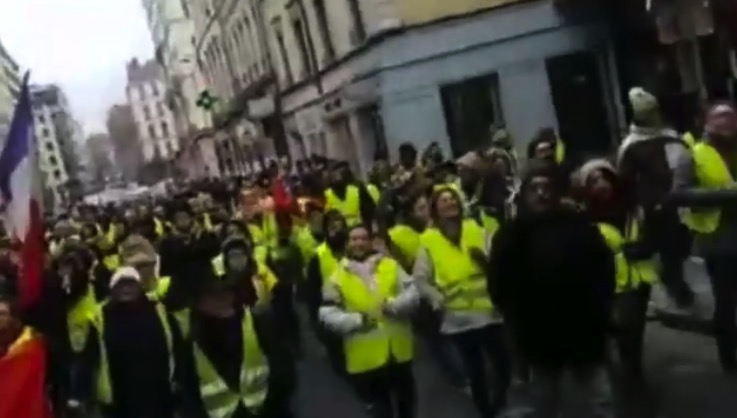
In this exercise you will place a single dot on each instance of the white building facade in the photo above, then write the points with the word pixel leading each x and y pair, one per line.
pixel 56 138
pixel 172 27
pixel 145 91
pixel 9 87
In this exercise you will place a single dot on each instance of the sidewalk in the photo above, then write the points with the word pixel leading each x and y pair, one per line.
pixel 696 319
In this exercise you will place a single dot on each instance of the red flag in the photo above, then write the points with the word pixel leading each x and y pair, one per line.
pixel 284 204
pixel 23 380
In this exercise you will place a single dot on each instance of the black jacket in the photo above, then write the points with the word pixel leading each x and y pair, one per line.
pixel 552 276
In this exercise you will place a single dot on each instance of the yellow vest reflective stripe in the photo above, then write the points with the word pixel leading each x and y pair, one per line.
pixel 407 241
pixel 374 192
pixel 711 173
pixel 350 207
pixel 390 339
pixel 628 275
pixel 458 277
pixel 219 399
pixel 328 262
pixel 104 386
pixel 78 320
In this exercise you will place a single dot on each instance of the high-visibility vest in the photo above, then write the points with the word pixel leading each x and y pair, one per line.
pixel 306 242
pixel 263 282
pixel 374 192
pixel 458 276
pixel 104 386
pixel 407 240
pixel 689 139
pixel 327 260
pixel 160 290
pixel 78 320
pixel 350 208
pixel 219 399
pixel 628 275
pixel 389 339
pixel 264 233
pixel 711 173
pixel 488 222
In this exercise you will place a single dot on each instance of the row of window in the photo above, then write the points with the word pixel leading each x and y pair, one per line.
pixel 154 90
pixel 159 110
pixel 164 130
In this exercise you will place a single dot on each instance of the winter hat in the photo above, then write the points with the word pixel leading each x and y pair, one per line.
pixel 124 273
pixel 136 250
pixel 581 175
pixel 642 102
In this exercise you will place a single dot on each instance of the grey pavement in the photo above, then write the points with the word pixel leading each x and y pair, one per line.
pixel 683 375
pixel 697 317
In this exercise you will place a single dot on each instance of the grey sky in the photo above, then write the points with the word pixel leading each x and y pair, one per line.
pixel 80 44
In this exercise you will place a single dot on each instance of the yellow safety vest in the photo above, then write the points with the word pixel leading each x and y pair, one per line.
pixel 489 223
pixel 407 240
pixel 629 275
pixel 263 282
pixel 350 208
pixel 458 277
pixel 219 399
pixel 560 151
pixel 389 339
pixel 307 243
pixel 159 292
pixel 374 192
pixel 711 173
pixel 328 262
pixel 104 386
pixel 78 320
pixel 267 233
pixel 689 139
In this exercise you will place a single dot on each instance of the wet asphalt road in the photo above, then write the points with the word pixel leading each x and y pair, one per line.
pixel 684 381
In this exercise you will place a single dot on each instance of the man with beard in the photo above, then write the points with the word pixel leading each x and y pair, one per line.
pixel 353 201
pixel 135 359
pixel 229 362
pixel 319 270
pixel 552 277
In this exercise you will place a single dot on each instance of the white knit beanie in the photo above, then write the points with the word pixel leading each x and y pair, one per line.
pixel 124 273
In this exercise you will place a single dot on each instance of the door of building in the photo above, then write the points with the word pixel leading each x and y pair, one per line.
pixel 578 98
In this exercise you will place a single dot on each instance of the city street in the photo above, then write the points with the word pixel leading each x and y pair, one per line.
pixel 684 378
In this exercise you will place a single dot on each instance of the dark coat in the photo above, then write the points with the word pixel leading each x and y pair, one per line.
pixel 552 277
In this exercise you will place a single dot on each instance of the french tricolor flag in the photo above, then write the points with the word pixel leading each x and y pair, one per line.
pixel 20 198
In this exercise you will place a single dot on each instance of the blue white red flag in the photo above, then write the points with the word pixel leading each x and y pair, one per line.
pixel 20 197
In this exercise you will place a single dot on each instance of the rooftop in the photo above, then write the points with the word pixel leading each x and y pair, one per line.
pixel 146 72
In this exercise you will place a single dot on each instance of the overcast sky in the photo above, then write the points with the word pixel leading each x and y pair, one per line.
pixel 82 45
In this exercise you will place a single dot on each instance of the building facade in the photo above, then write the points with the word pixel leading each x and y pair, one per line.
pixel 57 137
pixel 9 88
pixel 354 80
pixel 123 133
pixel 145 92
